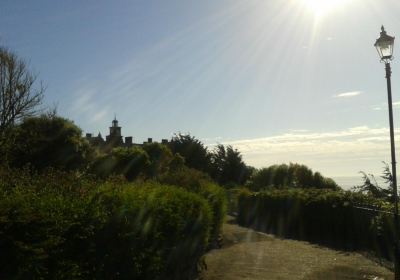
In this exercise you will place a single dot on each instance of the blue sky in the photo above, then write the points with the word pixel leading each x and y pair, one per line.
pixel 278 79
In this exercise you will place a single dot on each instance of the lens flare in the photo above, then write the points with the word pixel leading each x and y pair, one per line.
pixel 323 7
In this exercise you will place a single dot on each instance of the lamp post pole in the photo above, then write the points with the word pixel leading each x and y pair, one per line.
pixel 394 176
pixel 384 45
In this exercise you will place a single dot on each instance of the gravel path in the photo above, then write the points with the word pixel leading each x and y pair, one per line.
pixel 247 254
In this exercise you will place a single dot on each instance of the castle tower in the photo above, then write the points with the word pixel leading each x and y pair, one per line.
pixel 115 130
pixel 115 137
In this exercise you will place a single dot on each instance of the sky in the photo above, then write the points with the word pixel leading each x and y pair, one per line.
pixel 280 80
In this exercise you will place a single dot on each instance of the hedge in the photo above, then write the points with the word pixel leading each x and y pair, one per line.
pixel 201 184
pixel 327 217
pixel 64 226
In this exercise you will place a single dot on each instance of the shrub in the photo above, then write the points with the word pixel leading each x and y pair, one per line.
pixel 216 198
pixel 232 199
pixel 322 216
pixel 293 175
pixel 45 224
pixel 129 162
pixel 188 178
pixel 200 183
pixel 159 232
pixel 160 157
pixel 64 226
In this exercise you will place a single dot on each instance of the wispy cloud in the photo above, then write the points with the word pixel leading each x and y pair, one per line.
pixel 347 94
pixel 101 116
pixel 85 106
pixel 336 153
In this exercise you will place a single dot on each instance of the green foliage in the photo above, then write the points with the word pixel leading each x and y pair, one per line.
pixel 216 198
pixel 160 231
pixel 371 186
pixel 329 217
pixel 200 183
pixel 49 141
pixel 224 165
pixel 160 157
pixel 228 167
pixel 46 222
pixel 292 176
pixel 151 161
pixel 64 226
pixel 233 198
pixel 193 150
pixel 177 162
pixel 188 178
pixel 129 162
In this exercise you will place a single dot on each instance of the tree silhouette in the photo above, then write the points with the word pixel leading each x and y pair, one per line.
pixel 19 97
pixel 193 150
pixel 228 166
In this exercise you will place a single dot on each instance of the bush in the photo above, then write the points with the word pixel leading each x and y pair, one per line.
pixel 129 162
pixel 49 141
pixel 64 226
pixel 322 216
pixel 200 183
pixel 293 176
pixel 160 157
pixel 216 198
pixel 232 199
pixel 188 178
pixel 46 222
pixel 159 233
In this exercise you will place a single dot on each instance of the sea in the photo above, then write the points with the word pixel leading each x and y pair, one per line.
pixel 348 182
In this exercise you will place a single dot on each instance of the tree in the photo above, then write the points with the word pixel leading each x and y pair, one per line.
pixel 193 150
pixel 303 176
pixel 260 179
pixel 318 180
pixel 228 166
pixel 19 95
pixel 49 141
pixel 371 187
pixel 281 176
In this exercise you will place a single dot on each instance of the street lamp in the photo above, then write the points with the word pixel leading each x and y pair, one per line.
pixel 384 45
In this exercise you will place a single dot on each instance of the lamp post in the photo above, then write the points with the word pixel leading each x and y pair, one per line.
pixel 384 45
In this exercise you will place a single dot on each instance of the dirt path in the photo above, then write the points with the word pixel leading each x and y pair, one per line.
pixel 247 254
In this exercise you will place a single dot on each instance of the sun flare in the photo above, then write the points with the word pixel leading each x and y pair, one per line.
pixel 323 7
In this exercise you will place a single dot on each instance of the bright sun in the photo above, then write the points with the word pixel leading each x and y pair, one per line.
pixel 322 7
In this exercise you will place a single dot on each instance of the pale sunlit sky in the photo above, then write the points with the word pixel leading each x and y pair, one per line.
pixel 281 80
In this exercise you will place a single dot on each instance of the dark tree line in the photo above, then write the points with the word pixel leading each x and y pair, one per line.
pixel 50 141
pixel 224 164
